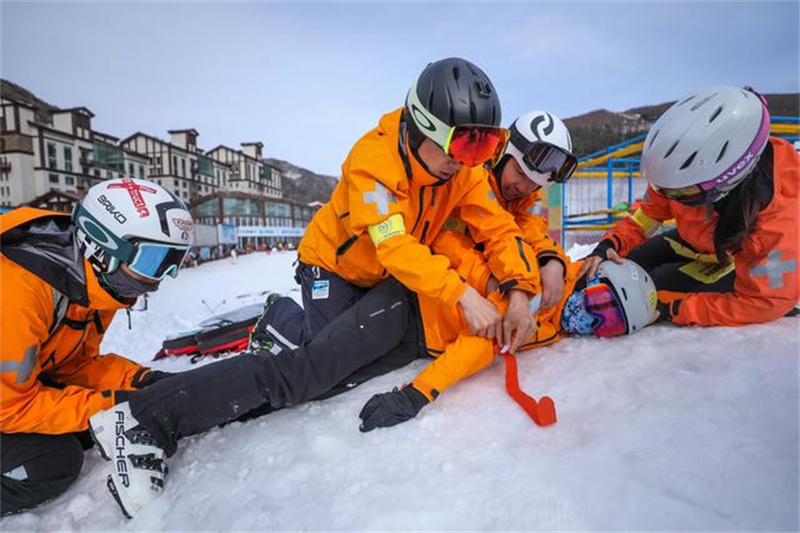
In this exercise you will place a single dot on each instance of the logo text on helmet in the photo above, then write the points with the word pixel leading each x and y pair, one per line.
pixel 112 210
pixel 736 168
pixel 134 190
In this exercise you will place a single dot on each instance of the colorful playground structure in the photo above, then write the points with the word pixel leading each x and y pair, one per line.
pixel 608 182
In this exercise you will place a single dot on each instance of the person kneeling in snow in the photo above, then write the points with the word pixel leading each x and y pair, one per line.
pixel 620 300
pixel 60 292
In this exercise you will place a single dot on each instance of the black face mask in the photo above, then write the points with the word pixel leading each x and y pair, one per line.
pixel 123 284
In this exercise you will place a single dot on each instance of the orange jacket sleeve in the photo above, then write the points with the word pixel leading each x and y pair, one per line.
pixel 26 406
pixel 643 224
pixel 509 257
pixel 374 202
pixel 462 358
pixel 94 371
pixel 767 282
pixel 535 229
pixel 454 243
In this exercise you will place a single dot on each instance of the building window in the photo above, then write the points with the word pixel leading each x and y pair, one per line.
pixel 53 178
pixel 131 171
pixel 183 167
pixel 109 174
pixel 52 162
pixel 174 165
pixel 97 173
pixel 68 158
pixel 69 180
pixel 141 171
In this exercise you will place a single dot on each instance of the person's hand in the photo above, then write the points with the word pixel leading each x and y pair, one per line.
pixel 391 408
pixel 518 322
pixel 591 263
pixel 481 315
pixel 492 284
pixel 552 275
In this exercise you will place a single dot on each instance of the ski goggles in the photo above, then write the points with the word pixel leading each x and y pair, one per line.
pixel 469 144
pixel 603 305
pixel 692 195
pixel 545 158
pixel 153 260
pixel 157 261
pixel 476 144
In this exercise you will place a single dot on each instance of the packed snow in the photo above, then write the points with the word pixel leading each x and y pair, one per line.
pixel 670 429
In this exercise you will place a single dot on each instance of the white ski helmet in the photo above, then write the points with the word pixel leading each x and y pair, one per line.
pixel 542 145
pixel 135 222
pixel 706 144
pixel 634 289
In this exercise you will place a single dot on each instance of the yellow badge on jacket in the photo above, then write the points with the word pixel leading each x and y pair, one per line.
pixel 387 229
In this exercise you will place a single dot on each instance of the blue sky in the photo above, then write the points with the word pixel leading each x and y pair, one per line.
pixel 309 78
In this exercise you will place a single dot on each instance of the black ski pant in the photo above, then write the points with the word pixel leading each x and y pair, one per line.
pixel 325 297
pixel 382 330
pixel 37 468
pixel 666 258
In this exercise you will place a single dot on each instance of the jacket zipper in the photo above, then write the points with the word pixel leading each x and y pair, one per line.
pixel 421 203
pixel 345 246
pixel 424 231
pixel 522 253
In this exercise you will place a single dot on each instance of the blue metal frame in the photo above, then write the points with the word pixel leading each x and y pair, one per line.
pixel 630 165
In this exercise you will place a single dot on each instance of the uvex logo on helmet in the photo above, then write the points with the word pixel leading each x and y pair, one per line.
pixel 736 168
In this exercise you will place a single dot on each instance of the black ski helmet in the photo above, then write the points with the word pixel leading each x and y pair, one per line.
pixel 450 92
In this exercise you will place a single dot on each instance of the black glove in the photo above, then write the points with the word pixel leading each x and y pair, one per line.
pixel 146 377
pixel 601 250
pixel 391 408
pixel 667 310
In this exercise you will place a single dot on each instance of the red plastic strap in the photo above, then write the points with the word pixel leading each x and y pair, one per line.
pixel 543 412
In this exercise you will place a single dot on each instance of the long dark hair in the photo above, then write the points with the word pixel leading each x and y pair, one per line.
pixel 738 211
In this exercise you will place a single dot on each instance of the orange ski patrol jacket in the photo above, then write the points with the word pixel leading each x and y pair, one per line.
pixel 466 255
pixel 387 209
pixel 53 314
pixel 767 284
pixel 458 354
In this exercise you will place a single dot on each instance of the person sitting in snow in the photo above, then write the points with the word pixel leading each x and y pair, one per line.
pixel 60 291
pixel 733 193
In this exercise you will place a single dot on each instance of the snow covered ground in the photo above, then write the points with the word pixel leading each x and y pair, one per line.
pixel 671 429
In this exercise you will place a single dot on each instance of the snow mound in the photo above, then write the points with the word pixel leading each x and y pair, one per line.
pixel 671 429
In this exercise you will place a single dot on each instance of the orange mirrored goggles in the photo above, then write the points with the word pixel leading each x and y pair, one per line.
pixel 476 144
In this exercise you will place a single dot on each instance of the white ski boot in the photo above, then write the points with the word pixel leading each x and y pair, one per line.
pixel 139 466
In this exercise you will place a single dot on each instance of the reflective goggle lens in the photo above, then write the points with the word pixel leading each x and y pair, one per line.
pixel 157 261
pixel 547 158
pixel 475 144
pixel 600 302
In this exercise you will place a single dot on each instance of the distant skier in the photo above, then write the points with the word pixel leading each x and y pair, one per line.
pixel 733 192
pixel 60 290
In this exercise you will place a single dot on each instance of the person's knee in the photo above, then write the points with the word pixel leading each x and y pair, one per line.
pixel 52 466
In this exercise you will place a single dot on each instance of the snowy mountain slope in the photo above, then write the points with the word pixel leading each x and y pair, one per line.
pixel 671 429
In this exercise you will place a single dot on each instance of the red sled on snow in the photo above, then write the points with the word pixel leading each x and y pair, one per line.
pixel 226 332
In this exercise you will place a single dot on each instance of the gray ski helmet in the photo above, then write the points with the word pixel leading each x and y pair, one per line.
pixel 635 290
pixel 711 138
pixel 450 92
